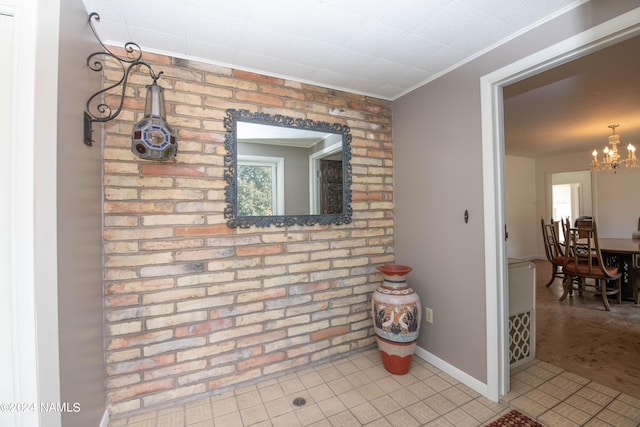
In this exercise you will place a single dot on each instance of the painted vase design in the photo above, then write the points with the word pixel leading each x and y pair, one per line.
pixel 396 318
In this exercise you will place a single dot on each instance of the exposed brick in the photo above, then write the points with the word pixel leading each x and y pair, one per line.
pixel 141 364
pixel 142 388
pixel 171 370
pixel 136 340
pixel 330 332
pixel 193 306
pixel 203 327
pixel 259 250
pixel 203 230
pixel 260 361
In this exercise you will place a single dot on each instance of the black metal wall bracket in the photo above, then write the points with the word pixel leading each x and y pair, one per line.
pixel 97 110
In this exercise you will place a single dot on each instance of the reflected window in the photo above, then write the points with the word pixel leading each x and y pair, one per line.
pixel 261 185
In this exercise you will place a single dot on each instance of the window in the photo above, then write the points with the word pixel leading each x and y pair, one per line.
pixel 260 185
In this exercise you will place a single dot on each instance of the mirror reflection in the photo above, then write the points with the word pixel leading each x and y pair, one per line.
pixel 286 171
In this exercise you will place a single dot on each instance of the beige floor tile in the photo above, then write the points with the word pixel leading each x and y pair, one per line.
pixel 572 413
pixel 284 420
pixel 329 373
pixel 583 404
pixel 402 418
pixel 224 406
pixel 594 422
pixel 320 392
pixel 625 409
pixel 248 399
pixel 480 412
pixel 351 398
pixel 594 395
pixel 371 391
pixel 172 419
pixel 437 383
pixel 228 420
pixel 358 379
pixel 309 414
pixel 389 384
pixel 374 373
pixel 340 385
pixel 380 422
pixel 346 367
pixel 615 419
pixel 552 418
pixel 439 422
pixel 196 414
pixel 254 414
pixel 292 386
pixel 366 413
pixel 460 418
pixel 331 406
pixel 343 419
pixel 422 412
pixel 457 396
pixel 271 392
pixel 311 379
pixel 385 405
pixel 142 423
pixel 542 398
pixel 528 407
pixel 278 407
pixel 440 404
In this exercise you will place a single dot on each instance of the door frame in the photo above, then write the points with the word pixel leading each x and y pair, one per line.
pixel 497 308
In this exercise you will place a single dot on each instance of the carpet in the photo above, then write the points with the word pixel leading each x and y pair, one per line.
pixel 514 419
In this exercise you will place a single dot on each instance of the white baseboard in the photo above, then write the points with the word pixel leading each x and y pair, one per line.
pixel 104 422
pixel 456 373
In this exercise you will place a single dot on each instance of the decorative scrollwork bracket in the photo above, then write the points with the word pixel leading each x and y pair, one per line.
pixel 97 110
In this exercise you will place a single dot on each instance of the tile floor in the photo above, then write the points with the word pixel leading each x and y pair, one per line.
pixel 357 391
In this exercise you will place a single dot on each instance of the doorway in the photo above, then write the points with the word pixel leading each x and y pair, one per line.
pixel 607 33
pixel 570 196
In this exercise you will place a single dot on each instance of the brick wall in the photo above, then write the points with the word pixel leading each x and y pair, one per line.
pixel 194 307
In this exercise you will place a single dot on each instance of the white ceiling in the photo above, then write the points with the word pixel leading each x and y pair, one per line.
pixel 386 48
pixel 381 48
pixel 569 108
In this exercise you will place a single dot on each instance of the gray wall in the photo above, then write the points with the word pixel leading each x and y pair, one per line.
pixel 438 174
pixel 79 191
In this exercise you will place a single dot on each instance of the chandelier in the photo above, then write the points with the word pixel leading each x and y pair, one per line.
pixel 611 158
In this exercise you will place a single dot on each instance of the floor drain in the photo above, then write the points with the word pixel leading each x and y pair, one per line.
pixel 299 401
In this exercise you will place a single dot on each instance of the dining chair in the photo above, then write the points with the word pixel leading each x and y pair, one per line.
pixel 583 222
pixel 552 249
pixel 583 260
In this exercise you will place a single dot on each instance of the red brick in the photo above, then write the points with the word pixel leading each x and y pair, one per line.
pixel 203 230
pixel 257 77
pixel 330 332
pixel 254 362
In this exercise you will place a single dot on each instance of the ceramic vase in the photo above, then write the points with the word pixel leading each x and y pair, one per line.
pixel 396 312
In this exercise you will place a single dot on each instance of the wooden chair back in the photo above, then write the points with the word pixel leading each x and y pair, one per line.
pixel 552 247
pixel 583 256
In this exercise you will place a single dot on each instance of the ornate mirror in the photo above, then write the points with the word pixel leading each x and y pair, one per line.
pixel 285 171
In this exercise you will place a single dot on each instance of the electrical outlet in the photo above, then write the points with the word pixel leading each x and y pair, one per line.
pixel 428 315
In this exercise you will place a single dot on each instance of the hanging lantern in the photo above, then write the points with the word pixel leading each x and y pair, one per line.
pixel 152 137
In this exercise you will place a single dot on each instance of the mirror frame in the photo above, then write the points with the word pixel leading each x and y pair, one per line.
pixel 231 161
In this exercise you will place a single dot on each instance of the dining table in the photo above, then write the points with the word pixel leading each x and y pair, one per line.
pixel 624 254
